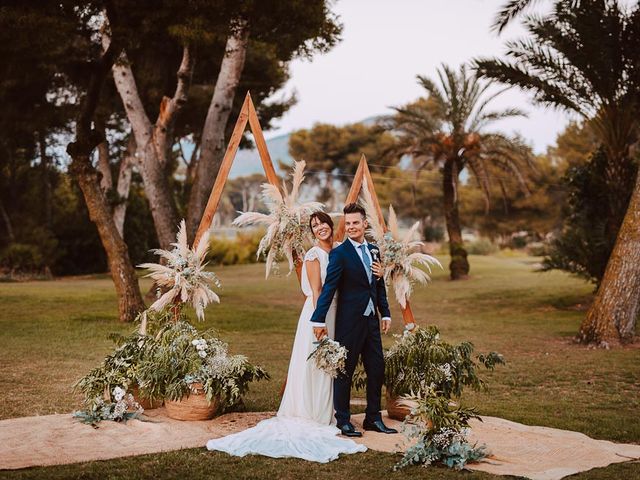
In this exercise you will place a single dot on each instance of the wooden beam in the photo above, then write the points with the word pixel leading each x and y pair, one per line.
pixel 352 196
pixel 261 145
pixel 247 114
pixel 374 195
pixel 362 173
pixel 223 172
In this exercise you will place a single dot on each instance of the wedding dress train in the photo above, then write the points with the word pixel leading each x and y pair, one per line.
pixel 304 425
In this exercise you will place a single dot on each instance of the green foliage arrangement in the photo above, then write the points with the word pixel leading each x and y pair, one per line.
pixel 164 363
pixel 441 428
pixel 420 360
pixel 430 375
pixel 118 369
pixel 180 356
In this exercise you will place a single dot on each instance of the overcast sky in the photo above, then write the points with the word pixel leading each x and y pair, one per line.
pixel 386 43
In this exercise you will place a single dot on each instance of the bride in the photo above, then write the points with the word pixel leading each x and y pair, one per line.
pixel 304 426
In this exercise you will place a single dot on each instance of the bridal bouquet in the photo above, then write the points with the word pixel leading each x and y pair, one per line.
pixel 287 221
pixel 400 255
pixel 329 356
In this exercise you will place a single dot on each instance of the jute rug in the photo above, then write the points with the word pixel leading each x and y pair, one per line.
pixel 533 452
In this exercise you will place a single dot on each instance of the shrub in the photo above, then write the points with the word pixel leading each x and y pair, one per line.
pixel 433 233
pixel 482 246
pixel 241 250
pixel 21 257
pixel 420 360
pixel 538 249
pixel 595 211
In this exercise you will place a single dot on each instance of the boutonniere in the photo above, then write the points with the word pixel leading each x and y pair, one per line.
pixel 375 254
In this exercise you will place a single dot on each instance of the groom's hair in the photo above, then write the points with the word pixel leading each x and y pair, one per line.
pixel 354 208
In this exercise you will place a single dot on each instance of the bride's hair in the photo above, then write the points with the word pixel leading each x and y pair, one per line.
pixel 322 218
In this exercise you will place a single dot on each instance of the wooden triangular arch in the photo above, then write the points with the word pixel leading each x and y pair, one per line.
pixel 363 173
pixel 247 114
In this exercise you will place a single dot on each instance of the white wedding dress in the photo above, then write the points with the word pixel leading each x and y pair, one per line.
pixel 303 427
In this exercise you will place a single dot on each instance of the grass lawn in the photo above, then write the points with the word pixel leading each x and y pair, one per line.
pixel 51 333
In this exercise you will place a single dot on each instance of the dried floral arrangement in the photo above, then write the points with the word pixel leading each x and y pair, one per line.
pixel 184 277
pixel 401 256
pixel 287 221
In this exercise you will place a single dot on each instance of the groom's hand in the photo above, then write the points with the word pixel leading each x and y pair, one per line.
pixel 319 332
pixel 386 324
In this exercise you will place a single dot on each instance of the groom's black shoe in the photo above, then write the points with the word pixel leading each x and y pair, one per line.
pixel 349 430
pixel 378 426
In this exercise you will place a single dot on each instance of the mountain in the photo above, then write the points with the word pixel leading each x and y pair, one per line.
pixel 247 161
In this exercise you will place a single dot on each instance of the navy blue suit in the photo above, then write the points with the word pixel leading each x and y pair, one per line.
pixel 360 334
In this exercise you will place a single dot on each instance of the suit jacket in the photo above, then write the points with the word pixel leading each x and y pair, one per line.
pixel 347 274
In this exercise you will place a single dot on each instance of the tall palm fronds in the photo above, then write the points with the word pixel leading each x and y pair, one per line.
pixel 448 126
pixel 184 276
pixel 509 11
pixel 514 9
pixel 287 221
pixel 447 130
pixel 585 60
pixel 400 255
pixel 584 57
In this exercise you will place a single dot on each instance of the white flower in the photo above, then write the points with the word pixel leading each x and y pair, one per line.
pixel 118 394
pixel 202 353
pixel 195 342
pixel 446 370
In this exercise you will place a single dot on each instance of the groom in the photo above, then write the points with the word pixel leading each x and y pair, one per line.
pixel 360 295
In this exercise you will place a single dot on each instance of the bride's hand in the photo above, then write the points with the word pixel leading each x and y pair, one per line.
pixel 377 269
pixel 319 332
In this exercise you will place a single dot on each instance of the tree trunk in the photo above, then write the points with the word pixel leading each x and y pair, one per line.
pixel 46 179
pixel 86 139
pixel 124 277
pixel 459 266
pixel 124 185
pixel 212 146
pixel 191 170
pixel 153 142
pixel 7 222
pixel 104 167
pixel 156 185
pixel 614 312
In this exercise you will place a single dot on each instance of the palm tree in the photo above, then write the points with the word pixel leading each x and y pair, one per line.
pixel 446 130
pixel 587 60
pixel 509 11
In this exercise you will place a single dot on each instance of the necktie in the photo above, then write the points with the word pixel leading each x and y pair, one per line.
pixel 366 260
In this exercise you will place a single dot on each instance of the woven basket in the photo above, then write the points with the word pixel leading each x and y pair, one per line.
pixel 192 407
pixel 395 410
pixel 146 403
